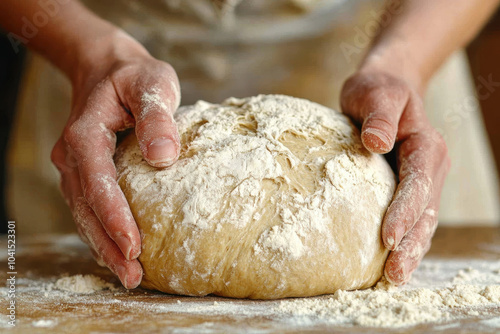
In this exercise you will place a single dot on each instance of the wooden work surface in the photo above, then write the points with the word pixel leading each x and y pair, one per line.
pixel 44 259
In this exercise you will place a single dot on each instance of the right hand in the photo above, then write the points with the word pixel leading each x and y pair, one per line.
pixel 115 75
pixel 392 115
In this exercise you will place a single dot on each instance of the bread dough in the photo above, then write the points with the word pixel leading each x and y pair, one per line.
pixel 272 197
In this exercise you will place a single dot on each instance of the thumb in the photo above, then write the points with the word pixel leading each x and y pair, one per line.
pixel 379 129
pixel 378 105
pixel 155 128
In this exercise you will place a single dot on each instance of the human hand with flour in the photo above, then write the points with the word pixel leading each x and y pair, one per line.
pixel 386 97
pixel 392 116
pixel 116 85
pixel 128 89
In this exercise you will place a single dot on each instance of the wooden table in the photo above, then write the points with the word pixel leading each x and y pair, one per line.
pixel 43 259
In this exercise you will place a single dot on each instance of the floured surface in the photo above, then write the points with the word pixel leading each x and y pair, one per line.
pixel 80 284
pixel 465 258
pixel 272 196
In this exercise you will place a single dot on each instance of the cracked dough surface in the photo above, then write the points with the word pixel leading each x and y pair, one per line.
pixel 272 197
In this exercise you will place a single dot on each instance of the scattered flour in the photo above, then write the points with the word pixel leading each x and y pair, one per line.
pixel 153 101
pixel 493 322
pixel 386 306
pixel 251 166
pixel 44 323
pixel 82 284
pixel 431 301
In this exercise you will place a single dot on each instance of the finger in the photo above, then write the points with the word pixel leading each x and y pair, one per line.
pixel 407 256
pixel 423 162
pixel 91 231
pixel 378 105
pixel 66 165
pixel 153 104
pixel 128 271
pixel 92 139
pixel 405 259
pixel 412 196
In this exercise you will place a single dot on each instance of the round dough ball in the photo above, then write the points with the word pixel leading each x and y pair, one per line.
pixel 272 197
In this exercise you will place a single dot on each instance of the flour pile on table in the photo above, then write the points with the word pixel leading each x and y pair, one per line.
pixel 81 284
pixel 387 306
pixel 43 323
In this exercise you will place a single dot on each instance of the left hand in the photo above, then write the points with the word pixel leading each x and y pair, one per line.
pixel 112 75
pixel 392 114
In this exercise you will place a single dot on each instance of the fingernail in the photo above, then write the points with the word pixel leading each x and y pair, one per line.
pixel 134 255
pixel 135 280
pixel 125 246
pixel 382 141
pixel 162 152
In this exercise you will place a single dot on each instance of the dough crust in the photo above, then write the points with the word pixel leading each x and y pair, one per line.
pixel 272 197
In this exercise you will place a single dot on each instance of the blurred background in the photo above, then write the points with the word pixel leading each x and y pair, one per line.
pixel 484 57
pixel 27 82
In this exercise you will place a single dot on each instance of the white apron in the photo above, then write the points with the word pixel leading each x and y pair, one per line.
pixel 223 48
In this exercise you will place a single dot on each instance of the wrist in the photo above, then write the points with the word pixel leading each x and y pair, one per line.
pixel 96 55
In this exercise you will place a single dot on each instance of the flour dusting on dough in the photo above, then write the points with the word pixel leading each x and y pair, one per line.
pixel 267 182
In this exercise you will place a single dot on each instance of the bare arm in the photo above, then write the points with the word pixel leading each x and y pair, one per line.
pixel 63 31
pixel 422 34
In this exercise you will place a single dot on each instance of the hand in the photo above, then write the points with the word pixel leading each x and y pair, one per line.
pixel 391 113
pixel 111 78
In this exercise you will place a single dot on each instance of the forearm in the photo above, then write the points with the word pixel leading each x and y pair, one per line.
pixel 63 31
pixel 422 34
